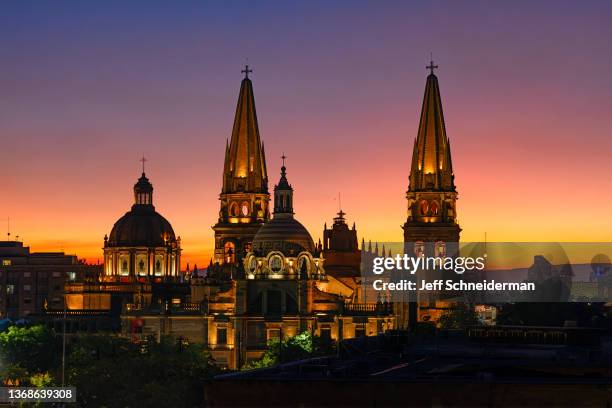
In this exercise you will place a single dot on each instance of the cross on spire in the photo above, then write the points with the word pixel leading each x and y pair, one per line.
pixel 283 157
pixel 246 71
pixel 431 66
pixel 143 160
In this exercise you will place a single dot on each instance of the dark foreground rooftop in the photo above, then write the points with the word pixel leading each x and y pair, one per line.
pixel 452 371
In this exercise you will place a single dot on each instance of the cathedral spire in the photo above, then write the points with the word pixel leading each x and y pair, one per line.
pixel 245 167
pixel 432 169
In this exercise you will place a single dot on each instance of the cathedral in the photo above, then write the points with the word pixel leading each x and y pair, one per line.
pixel 268 279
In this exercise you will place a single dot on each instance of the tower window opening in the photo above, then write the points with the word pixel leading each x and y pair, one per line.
pixel 234 210
pixel 230 252
pixel 424 207
pixel 245 209
pixel 434 209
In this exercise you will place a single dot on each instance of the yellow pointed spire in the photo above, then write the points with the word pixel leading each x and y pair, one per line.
pixel 245 168
pixel 432 168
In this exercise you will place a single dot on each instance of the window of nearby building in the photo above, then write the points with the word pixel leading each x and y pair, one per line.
pixel 10 289
pixel 27 274
pixel 221 336
pixel 27 300
pixel 6 262
pixel 27 287
pixel 71 276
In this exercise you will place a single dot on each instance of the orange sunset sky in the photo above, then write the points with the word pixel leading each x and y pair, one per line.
pixel 526 92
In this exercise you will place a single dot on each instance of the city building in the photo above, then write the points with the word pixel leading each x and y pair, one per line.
pixel 33 282
pixel 268 279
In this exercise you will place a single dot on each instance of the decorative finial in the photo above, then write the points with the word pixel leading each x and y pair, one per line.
pixel 283 168
pixel 143 160
pixel 246 71
pixel 431 65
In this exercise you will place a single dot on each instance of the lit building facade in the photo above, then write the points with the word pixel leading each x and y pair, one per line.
pixel 32 283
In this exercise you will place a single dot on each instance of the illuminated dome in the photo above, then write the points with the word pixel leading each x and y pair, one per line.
pixel 142 244
pixel 142 225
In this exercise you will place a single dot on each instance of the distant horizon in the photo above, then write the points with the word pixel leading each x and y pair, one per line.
pixel 338 89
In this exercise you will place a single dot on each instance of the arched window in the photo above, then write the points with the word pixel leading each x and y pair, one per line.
pixel 276 263
pixel 253 264
pixel 419 249
pixel 434 209
pixel 229 252
pixel 245 209
pixel 234 210
pixel 440 249
pixel 424 207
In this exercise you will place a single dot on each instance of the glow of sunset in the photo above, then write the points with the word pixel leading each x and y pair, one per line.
pixel 87 88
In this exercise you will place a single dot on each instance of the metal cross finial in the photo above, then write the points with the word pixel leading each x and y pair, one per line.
pixel 246 71
pixel 431 65
pixel 143 160
pixel 283 157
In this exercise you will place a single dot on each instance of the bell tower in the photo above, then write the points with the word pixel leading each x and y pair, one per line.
pixel 431 194
pixel 244 195
pixel 431 227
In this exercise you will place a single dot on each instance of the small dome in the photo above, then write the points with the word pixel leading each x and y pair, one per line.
pixel 142 226
pixel 284 234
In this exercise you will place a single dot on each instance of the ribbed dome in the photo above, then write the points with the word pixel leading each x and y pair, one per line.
pixel 142 226
pixel 285 234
